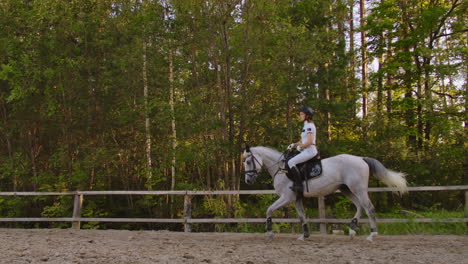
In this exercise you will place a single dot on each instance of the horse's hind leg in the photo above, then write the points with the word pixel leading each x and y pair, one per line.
pixel 354 222
pixel 370 211
pixel 301 212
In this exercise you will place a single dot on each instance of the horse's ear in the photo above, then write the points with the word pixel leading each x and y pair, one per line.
pixel 247 147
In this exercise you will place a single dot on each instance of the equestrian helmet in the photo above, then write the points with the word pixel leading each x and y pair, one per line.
pixel 307 110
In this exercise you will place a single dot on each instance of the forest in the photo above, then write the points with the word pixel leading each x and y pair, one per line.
pixel 163 95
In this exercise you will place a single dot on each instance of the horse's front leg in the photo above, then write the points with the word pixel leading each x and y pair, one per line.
pixel 282 201
pixel 302 216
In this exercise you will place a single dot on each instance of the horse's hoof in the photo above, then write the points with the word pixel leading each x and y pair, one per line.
pixel 301 238
pixel 269 235
pixel 352 233
pixel 371 236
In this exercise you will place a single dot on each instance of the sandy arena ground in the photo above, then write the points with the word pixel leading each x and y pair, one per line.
pixel 112 246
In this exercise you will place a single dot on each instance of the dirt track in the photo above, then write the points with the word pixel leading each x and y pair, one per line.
pixel 112 246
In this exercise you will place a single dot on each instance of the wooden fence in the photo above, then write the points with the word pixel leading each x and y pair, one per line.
pixel 187 219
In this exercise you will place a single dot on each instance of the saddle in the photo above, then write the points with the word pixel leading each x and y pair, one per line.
pixel 309 169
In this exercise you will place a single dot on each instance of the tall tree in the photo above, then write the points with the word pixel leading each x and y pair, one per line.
pixel 364 58
pixel 147 118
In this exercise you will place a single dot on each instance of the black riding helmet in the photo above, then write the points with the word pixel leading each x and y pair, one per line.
pixel 307 110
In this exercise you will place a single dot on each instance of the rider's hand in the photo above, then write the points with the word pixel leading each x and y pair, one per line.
pixel 299 148
pixel 291 146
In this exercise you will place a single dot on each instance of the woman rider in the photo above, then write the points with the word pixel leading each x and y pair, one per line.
pixel 306 146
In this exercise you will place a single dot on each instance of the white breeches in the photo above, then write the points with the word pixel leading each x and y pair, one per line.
pixel 304 156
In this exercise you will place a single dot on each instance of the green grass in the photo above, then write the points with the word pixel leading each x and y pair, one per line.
pixel 412 228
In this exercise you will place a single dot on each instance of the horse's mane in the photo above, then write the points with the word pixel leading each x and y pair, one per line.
pixel 268 150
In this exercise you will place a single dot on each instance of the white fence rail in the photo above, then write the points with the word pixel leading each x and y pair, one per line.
pixel 187 219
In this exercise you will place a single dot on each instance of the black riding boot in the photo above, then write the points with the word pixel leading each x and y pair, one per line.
pixel 297 187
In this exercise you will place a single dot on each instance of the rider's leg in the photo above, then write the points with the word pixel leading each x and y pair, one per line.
pixel 297 183
pixel 304 156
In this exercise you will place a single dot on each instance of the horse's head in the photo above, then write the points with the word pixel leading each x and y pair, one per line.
pixel 252 165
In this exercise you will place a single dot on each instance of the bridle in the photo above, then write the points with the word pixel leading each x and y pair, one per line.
pixel 254 172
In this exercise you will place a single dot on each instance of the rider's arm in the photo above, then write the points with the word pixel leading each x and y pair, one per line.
pixel 308 143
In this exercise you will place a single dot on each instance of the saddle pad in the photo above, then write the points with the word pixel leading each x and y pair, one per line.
pixel 311 169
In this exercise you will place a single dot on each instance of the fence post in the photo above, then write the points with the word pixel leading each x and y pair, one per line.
pixel 77 204
pixel 187 212
pixel 466 205
pixel 322 215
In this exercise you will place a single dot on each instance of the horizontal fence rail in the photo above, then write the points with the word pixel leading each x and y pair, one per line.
pixel 187 220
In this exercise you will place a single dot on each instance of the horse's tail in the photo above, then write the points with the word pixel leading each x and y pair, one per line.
pixel 389 177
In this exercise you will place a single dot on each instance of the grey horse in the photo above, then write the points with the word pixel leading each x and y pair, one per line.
pixel 348 173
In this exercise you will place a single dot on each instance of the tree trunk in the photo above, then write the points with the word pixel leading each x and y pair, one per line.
pixel 34 151
pixel 409 113
pixel 364 63
pixel 327 99
pixel 380 82
pixel 149 166
pixel 419 103
pixel 9 148
pixel 222 131
pixel 67 123
pixel 327 84
pixel 168 16
pixel 228 89
pixel 389 83
pixel 227 81
pixel 428 99
pixel 465 99
pixel 352 59
pixel 244 102
pixel 380 98
pixel 173 121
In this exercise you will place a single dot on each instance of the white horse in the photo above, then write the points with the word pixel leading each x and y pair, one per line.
pixel 348 173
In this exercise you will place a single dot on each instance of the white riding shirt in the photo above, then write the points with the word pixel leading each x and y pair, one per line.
pixel 308 128
pixel 308 152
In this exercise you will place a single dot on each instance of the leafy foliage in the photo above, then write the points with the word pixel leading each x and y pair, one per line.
pixel 72 107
